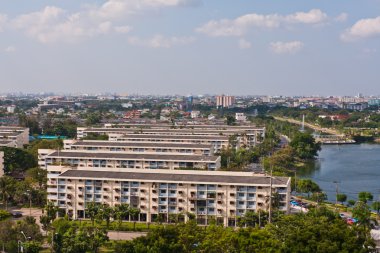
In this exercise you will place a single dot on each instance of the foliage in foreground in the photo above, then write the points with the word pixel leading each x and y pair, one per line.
pixel 318 231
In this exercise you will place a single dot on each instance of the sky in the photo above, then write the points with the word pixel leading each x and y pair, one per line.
pixel 240 47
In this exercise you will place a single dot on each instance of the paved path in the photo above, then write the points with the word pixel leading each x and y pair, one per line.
pixel 113 235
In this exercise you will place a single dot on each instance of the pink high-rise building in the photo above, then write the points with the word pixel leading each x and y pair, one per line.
pixel 225 101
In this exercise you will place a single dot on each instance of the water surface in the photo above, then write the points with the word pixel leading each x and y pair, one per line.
pixel 355 167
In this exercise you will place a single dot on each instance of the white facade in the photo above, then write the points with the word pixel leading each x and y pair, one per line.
pixel 221 196
pixel 195 114
pixel 239 116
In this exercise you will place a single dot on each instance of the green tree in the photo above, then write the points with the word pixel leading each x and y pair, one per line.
pixel 341 197
pixel 92 211
pixel 376 206
pixel 365 196
pixel 305 146
pixel 134 213
pixel 17 160
pixel 362 212
pixel 7 189
pixel 230 120
pixel 120 212
pixel 308 186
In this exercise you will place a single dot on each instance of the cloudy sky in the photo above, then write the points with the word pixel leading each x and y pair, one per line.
pixel 297 47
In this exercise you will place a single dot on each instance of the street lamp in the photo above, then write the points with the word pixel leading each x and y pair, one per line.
pixel 30 202
pixel 20 247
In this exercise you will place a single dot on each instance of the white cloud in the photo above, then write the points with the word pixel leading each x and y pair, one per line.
pixel 123 29
pixel 314 16
pixel 160 41
pixel 244 44
pixel 341 17
pixel 280 47
pixel 53 24
pixel 240 25
pixel 10 49
pixel 364 28
pixel 3 20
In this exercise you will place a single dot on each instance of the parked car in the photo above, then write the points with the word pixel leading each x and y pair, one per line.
pixel 16 214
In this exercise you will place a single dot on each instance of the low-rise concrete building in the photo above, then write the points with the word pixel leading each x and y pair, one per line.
pixel 14 136
pixel 127 160
pixel 209 195
pixel 146 147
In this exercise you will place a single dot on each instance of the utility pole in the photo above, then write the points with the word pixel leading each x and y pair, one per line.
pixel 336 193
pixel 295 183
pixel 270 196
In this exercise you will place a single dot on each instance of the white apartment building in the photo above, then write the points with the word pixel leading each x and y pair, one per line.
pixel 132 147
pixel 14 136
pixel 95 159
pixel 239 116
pixel 217 142
pixel 209 195
pixel 84 132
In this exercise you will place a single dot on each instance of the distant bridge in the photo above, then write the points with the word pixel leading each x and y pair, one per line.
pixel 331 136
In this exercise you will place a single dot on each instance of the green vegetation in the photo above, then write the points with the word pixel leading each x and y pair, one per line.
pixel 26 231
pixel 318 231
pixel 4 215
pixel 17 160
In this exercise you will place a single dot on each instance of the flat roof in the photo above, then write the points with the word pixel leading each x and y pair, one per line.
pixel 140 144
pixel 187 126
pixel 177 137
pixel 11 134
pixel 12 128
pixel 2 142
pixel 175 177
pixel 131 156
pixel 169 130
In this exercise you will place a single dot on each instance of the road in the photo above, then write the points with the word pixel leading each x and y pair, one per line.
pixel 36 213
pixel 316 128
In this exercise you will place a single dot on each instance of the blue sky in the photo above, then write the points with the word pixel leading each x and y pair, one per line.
pixel 191 46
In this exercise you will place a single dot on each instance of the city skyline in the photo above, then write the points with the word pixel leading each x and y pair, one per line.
pixel 190 46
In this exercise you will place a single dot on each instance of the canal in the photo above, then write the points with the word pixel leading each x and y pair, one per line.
pixel 356 168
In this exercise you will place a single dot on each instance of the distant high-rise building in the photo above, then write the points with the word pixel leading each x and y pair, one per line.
pixel 224 101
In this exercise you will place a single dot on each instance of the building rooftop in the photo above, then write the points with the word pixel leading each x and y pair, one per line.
pixel 177 137
pixel 169 130
pixel 140 144
pixel 133 156
pixel 176 177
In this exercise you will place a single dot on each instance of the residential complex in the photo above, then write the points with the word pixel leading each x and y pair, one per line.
pixel 130 147
pixel 139 160
pixel 15 137
pixel 209 195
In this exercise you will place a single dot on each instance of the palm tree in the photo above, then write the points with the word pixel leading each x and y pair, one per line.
pixel 92 211
pixel 6 189
pixel 119 213
pixel 134 212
